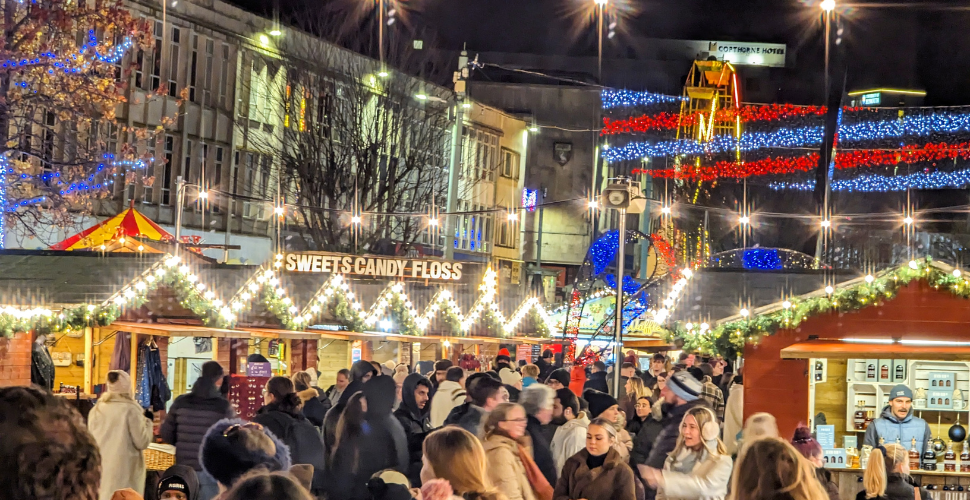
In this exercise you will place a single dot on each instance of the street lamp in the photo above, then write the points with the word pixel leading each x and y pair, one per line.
pixel 827 7
pixel 180 187
pixel 600 7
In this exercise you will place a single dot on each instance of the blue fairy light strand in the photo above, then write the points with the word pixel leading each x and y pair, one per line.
pixel 613 98
pixel 872 183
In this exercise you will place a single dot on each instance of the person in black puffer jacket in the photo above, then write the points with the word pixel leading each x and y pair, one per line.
pixel 887 476
pixel 415 416
pixel 360 372
pixel 313 408
pixel 281 415
pixel 189 419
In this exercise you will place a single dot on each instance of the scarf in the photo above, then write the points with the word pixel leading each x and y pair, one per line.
pixel 687 459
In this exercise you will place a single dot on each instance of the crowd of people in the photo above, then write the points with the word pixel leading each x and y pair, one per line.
pixel 526 432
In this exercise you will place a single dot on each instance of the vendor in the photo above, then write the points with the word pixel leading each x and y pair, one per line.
pixel 897 423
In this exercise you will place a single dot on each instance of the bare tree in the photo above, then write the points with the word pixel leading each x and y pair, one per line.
pixel 358 138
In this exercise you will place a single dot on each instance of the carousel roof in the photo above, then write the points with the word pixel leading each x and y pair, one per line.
pixel 130 224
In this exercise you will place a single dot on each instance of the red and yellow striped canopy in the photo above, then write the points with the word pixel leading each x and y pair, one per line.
pixel 129 223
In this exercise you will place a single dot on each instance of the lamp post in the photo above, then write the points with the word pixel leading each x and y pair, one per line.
pixel 180 187
pixel 600 7
pixel 827 7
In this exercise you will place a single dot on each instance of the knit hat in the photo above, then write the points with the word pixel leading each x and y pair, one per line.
pixel 226 459
pixel 122 384
pixel 805 443
pixel 180 478
pixel 900 391
pixel 598 402
pixel 685 386
pixel 509 377
pixel 504 352
pixel 560 375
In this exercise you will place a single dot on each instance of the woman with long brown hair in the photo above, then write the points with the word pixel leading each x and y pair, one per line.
pixel 772 469
pixel 457 456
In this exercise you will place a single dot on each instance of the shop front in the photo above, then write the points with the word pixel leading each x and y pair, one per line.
pixel 834 371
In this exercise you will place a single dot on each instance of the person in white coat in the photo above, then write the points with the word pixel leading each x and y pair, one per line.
pixel 450 393
pixel 570 437
pixel 122 429
pixel 699 468
pixel 734 416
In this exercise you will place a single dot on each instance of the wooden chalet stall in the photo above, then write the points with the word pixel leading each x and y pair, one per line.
pixel 840 366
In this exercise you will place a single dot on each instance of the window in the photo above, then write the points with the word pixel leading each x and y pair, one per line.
pixel 166 179
pixel 147 192
pixel 207 85
pixel 193 70
pixel 156 75
pixel 218 167
pixel 256 88
pixel 510 164
pixel 508 230
pixel 173 62
pixel 224 77
pixel 187 166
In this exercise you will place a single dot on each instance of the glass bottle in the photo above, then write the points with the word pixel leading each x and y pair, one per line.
pixel 929 456
pixel 884 372
pixel 965 457
pixel 913 456
pixel 871 371
pixel 949 459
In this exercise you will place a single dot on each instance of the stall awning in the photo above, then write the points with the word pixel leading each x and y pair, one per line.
pixel 173 330
pixel 839 349
pixel 650 345
pixel 295 335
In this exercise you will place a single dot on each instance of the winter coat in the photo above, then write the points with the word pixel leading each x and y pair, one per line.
pixel 708 480
pixel 894 430
pixel 545 368
pixel 190 417
pixel 416 424
pixel 825 477
pixel 382 446
pixel 597 381
pixel 541 453
pixel 467 416
pixel 332 418
pixel 569 440
pixel 122 432
pixel 733 418
pixel 449 395
pixel 577 379
pixel 650 428
pixel 41 366
pixel 296 432
pixel 612 481
pixel 624 443
pixel 667 438
pixel 313 408
pixel 898 487
pixel 505 469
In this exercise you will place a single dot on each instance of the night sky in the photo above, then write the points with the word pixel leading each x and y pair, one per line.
pixel 918 44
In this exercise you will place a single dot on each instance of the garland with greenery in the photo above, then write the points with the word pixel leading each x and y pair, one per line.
pixel 279 306
pixel 344 313
pixel 730 338
pixel 542 329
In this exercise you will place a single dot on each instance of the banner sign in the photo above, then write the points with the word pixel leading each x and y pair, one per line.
pixel 374 267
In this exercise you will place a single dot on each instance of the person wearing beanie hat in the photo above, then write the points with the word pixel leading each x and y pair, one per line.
pixel 681 394
pixel 233 447
pixel 179 482
pixel 601 405
pixel 122 429
pixel 812 450
pixel 440 371
pixel 685 386
pixel 558 379
pixel 897 424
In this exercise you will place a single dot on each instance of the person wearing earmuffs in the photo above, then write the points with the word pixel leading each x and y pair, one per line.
pixel 699 468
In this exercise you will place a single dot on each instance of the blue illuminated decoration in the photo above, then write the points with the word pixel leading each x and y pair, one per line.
pixel 872 183
pixel 530 199
pixel 630 285
pixel 603 251
pixel 909 126
pixel 3 198
pixel 613 98
pixel 765 259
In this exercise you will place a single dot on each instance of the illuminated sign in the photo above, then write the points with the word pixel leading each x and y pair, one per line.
pixel 739 53
pixel 530 198
pixel 871 99
pixel 373 267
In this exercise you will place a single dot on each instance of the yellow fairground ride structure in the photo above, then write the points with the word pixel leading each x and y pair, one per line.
pixel 709 109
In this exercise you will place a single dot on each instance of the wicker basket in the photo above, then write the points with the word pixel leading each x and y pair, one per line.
pixel 159 457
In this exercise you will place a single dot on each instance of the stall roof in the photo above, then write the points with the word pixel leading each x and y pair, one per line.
pixel 652 345
pixel 296 335
pixel 840 349
pixel 175 330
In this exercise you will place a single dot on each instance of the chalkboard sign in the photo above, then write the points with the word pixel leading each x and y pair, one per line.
pixel 259 369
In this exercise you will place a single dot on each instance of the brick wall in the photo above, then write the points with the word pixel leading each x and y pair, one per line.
pixel 15 360
pixel 333 357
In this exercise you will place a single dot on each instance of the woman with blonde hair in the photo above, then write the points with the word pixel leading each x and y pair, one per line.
pixel 887 476
pixel 508 453
pixel 699 467
pixel 457 456
pixel 597 472
pixel 772 469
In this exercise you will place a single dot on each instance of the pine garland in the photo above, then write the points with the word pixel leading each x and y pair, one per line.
pixel 730 338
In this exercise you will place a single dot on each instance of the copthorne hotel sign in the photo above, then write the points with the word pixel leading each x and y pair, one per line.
pixel 373 266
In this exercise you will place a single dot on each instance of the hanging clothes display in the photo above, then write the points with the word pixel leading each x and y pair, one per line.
pixel 151 387
pixel 121 356
pixel 41 364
